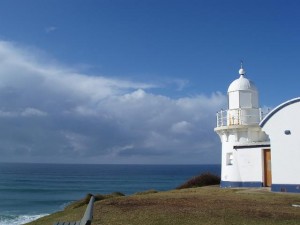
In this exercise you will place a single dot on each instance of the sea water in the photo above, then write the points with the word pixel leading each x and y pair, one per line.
pixel 30 191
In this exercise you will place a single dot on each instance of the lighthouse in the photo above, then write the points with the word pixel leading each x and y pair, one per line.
pixel 245 147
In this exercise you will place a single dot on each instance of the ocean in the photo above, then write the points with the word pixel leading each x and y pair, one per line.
pixel 29 191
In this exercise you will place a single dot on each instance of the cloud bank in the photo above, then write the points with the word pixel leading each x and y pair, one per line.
pixel 51 113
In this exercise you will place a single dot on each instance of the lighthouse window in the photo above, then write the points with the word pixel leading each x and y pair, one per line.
pixel 245 100
pixel 229 159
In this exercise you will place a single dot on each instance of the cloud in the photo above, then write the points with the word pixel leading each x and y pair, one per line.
pixel 26 113
pixel 51 113
pixel 50 29
pixel 33 112
pixel 182 127
pixel 181 84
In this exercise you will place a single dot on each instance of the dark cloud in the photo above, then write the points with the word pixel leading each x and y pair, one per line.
pixel 49 113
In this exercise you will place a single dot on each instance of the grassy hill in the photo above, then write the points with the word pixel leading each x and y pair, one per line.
pixel 209 205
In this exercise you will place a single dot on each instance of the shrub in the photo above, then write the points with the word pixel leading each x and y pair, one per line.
pixel 98 197
pixel 146 192
pixel 204 179
pixel 112 195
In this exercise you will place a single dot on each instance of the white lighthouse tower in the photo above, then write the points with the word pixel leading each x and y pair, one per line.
pixel 243 142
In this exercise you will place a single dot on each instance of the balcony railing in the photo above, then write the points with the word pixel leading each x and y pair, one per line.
pixel 239 117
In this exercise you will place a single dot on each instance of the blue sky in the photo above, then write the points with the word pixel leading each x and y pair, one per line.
pixel 135 81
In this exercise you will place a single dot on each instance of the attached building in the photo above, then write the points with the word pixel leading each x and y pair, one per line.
pixel 282 125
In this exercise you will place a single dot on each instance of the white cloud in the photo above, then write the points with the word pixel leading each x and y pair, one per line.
pixel 182 127
pixel 76 142
pixel 181 84
pixel 33 112
pixel 28 112
pixel 63 115
pixel 50 29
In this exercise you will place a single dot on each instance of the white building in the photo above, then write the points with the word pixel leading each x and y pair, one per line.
pixel 282 125
pixel 245 147
pixel 250 142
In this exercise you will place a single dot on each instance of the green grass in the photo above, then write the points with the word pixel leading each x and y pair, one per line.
pixel 194 206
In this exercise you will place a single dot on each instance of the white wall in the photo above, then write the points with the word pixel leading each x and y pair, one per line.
pixel 250 164
pixel 285 149
pixel 247 164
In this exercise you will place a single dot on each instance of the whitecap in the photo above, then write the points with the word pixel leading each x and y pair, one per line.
pixel 18 220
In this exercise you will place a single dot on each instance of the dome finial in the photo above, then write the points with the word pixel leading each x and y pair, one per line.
pixel 242 71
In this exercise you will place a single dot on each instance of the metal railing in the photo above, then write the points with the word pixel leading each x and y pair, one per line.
pixel 239 117
pixel 87 217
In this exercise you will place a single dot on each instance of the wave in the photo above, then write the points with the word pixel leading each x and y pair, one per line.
pixel 18 220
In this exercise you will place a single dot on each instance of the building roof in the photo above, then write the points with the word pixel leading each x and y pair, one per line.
pixel 278 108
pixel 242 83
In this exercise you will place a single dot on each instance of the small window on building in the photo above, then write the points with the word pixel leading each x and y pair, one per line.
pixel 229 159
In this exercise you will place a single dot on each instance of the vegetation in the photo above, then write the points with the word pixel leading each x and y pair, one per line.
pixel 204 179
pixel 146 192
pixel 98 197
pixel 194 206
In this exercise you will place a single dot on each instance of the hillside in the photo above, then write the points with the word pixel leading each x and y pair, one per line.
pixel 205 205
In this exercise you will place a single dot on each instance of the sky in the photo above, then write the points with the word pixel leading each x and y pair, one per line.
pixel 135 81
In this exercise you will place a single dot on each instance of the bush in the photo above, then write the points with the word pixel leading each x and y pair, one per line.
pixel 112 195
pixel 80 203
pixel 204 179
pixel 146 192
pixel 98 197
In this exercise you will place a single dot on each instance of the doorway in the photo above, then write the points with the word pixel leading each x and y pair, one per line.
pixel 267 168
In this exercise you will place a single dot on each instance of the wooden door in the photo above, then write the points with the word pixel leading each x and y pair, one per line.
pixel 267 168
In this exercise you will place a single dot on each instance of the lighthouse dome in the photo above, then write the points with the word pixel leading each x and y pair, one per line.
pixel 242 92
pixel 242 83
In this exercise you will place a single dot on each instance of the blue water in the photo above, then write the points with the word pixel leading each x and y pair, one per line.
pixel 29 191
